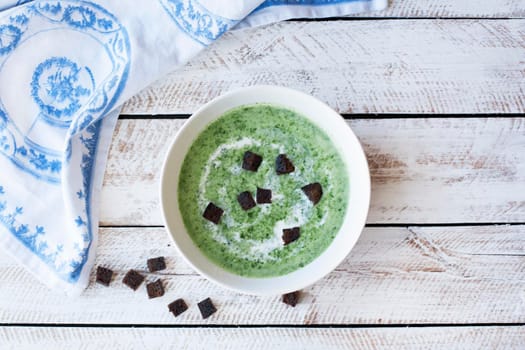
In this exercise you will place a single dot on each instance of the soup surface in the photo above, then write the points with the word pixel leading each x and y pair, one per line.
pixel 250 242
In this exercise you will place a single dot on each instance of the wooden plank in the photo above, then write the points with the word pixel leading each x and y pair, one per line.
pixel 391 66
pixel 423 170
pixel 393 276
pixel 263 338
pixel 451 9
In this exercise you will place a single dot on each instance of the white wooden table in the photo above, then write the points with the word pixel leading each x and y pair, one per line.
pixel 435 90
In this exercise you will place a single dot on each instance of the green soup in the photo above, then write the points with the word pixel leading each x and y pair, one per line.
pixel 249 243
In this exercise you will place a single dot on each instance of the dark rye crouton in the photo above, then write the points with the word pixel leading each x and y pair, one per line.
pixel 133 279
pixel 207 308
pixel 313 191
pixel 155 289
pixel 156 264
pixel 263 196
pixel 213 213
pixel 104 276
pixel 283 165
pixel 177 307
pixel 291 234
pixel 251 161
pixel 291 298
pixel 246 201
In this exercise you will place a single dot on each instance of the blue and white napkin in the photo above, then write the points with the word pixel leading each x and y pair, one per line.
pixel 66 67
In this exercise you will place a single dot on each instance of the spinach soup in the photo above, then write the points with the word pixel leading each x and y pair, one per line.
pixel 262 191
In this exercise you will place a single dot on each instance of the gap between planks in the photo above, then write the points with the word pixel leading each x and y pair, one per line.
pixel 248 326
pixel 348 116
pixel 403 225
pixel 423 18
pixel 448 9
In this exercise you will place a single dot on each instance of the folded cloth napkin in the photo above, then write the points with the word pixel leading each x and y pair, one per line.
pixel 65 68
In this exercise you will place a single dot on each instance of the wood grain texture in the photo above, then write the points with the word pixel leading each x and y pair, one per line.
pixel 263 338
pixel 391 66
pixel 392 276
pixel 423 170
pixel 451 9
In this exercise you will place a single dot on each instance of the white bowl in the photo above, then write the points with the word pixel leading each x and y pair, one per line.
pixel 344 140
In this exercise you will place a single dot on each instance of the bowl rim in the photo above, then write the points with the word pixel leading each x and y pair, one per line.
pixel 360 217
